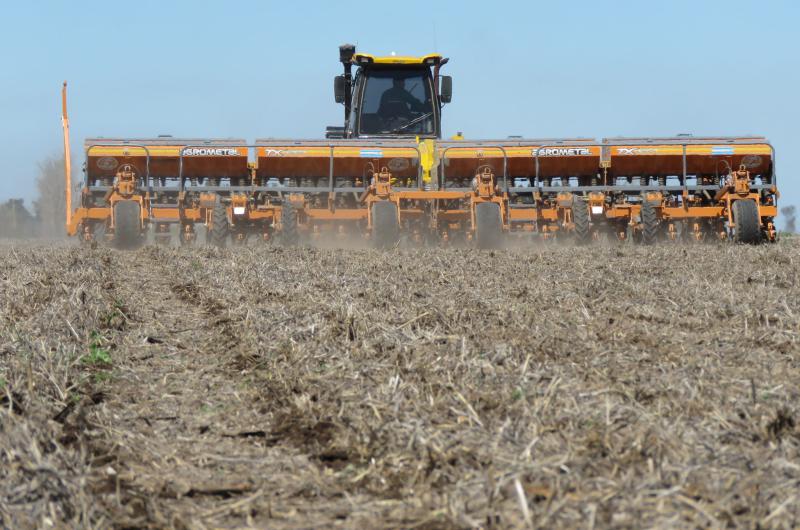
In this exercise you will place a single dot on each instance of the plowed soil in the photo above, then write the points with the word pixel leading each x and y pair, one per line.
pixel 589 387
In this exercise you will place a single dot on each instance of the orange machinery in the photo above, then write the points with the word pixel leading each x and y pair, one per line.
pixel 133 184
pixel 689 188
pixel 386 176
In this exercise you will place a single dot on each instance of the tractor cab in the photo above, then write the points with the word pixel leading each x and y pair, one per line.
pixel 390 97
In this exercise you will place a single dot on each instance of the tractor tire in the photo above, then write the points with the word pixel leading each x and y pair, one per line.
pixel 289 232
pixel 220 226
pixel 580 218
pixel 127 225
pixel 99 232
pixel 385 224
pixel 649 223
pixel 488 225
pixel 747 225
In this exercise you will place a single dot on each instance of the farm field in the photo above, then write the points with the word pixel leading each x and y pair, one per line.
pixel 557 386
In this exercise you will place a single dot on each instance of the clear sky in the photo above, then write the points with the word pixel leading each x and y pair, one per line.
pixel 259 68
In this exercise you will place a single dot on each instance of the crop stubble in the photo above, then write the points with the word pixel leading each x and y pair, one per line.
pixel 295 388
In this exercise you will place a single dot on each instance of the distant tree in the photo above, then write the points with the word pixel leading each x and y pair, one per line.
pixel 789 213
pixel 15 220
pixel 50 207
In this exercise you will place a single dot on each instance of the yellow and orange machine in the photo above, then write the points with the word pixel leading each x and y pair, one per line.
pixel 387 176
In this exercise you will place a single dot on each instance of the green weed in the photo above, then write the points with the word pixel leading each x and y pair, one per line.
pixel 97 354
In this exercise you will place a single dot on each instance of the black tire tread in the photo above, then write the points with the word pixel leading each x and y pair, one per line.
pixel 289 232
pixel 127 225
pixel 220 227
pixel 99 231
pixel 649 217
pixel 385 227
pixel 488 225
pixel 580 220
pixel 747 225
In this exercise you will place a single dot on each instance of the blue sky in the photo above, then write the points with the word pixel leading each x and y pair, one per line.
pixel 255 69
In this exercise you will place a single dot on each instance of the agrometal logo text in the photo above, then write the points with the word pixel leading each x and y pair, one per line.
pixel 562 151
pixel 210 151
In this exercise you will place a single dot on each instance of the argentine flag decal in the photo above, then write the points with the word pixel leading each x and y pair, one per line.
pixel 371 153
pixel 719 150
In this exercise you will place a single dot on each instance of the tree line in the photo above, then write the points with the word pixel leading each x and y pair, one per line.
pixel 47 216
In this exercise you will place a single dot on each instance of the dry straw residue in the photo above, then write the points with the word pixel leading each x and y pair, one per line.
pixel 586 387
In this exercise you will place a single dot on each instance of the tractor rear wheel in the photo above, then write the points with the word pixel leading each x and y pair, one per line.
pixel 580 218
pixel 127 224
pixel 488 225
pixel 649 223
pixel 220 226
pixel 385 224
pixel 747 225
pixel 289 234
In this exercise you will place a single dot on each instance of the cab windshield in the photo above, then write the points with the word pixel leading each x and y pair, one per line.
pixel 397 102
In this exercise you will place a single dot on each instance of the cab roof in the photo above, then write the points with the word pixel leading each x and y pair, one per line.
pixel 431 59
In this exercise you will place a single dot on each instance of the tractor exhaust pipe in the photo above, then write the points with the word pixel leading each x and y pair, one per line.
pixel 346 52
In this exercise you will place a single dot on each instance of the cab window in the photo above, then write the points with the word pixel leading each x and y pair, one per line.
pixel 397 102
